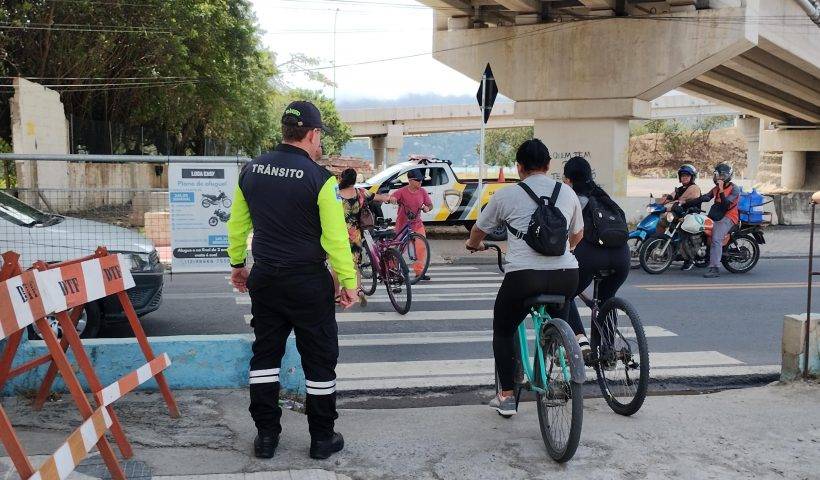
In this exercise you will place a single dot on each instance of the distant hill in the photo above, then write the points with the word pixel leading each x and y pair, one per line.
pixel 413 100
pixel 458 147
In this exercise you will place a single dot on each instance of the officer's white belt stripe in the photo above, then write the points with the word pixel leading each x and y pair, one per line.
pixel 264 373
pixel 268 379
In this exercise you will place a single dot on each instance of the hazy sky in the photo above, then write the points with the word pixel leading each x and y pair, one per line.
pixel 364 32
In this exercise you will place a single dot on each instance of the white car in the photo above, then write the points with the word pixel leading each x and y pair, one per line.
pixel 37 235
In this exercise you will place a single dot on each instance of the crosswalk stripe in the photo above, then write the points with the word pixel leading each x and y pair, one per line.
pixel 475 273
pixel 468 336
pixel 366 316
pixel 434 298
pixel 487 378
pixel 751 286
pixel 437 279
pixel 455 286
pixel 248 319
pixel 417 368
pixel 438 268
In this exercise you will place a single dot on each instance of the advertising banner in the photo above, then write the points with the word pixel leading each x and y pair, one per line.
pixel 200 200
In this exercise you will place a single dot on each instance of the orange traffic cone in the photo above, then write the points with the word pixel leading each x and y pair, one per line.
pixel 501 175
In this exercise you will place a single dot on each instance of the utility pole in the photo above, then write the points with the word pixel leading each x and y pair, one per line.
pixel 335 17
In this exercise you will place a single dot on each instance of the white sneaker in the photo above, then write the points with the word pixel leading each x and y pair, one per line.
pixel 504 406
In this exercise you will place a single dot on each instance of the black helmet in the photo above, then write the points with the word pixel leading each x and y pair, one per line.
pixel 723 171
pixel 688 169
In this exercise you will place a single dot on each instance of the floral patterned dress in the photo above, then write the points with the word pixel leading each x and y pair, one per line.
pixel 352 207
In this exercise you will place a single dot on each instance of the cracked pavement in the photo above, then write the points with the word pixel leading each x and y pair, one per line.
pixel 767 432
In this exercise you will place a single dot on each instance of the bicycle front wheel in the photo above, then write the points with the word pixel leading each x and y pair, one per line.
pixel 397 281
pixel 367 269
pixel 621 356
pixel 561 406
pixel 412 251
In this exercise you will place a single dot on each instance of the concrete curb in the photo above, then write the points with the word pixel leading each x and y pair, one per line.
pixel 197 362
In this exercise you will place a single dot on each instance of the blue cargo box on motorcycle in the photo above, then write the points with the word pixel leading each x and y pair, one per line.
pixel 750 207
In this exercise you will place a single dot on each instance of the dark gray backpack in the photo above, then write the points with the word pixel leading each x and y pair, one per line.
pixel 547 232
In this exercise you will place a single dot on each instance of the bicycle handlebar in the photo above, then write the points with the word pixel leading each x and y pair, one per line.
pixel 492 246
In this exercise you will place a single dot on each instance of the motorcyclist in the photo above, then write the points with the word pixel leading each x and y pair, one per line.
pixel 689 190
pixel 724 213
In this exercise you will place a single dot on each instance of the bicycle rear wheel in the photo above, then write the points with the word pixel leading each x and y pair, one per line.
pixel 621 356
pixel 410 252
pixel 397 281
pixel 518 373
pixel 561 408
pixel 367 268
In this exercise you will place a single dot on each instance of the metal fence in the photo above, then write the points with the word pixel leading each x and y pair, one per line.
pixel 65 206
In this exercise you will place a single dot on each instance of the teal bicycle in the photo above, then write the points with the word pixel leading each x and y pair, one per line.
pixel 555 373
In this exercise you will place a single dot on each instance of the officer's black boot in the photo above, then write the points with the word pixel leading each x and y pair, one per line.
pixel 264 445
pixel 322 449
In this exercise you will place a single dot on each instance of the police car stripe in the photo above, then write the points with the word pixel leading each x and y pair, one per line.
pixel 263 373
pixel 268 379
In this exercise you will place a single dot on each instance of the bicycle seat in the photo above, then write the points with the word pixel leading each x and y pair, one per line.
pixel 604 273
pixel 551 300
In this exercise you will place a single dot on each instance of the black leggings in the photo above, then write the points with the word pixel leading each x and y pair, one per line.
pixel 510 311
pixel 592 259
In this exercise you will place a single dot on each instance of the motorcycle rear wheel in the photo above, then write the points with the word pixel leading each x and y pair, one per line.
pixel 741 254
pixel 652 260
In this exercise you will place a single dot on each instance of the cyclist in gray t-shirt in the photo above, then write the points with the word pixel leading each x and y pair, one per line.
pixel 528 272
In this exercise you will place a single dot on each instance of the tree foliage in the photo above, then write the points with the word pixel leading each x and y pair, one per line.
pixel 187 70
pixel 502 143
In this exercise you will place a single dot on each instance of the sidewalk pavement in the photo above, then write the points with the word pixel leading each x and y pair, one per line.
pixel 766 432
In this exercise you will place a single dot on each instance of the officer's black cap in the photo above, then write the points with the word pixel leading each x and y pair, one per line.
pixel 303 114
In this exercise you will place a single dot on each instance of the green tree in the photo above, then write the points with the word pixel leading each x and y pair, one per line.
pixel 501 144
pixel 178 72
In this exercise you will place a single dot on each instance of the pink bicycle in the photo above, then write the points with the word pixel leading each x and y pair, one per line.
pixel 382 262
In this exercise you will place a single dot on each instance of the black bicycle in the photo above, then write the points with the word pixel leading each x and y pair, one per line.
pixel 620 354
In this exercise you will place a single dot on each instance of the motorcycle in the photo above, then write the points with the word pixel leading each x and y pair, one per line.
pixel 219 215
pixel 208 200
pixel 644 230
pixel 687 238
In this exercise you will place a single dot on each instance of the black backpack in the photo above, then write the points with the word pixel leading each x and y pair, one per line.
pixel 608 227
pixel 547 232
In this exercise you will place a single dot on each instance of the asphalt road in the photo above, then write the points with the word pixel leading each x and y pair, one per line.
pixel 729 326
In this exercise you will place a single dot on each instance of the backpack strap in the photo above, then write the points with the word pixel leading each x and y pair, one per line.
pixel 529 191
pixel 554 197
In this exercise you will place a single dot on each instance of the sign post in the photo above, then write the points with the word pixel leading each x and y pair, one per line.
pixel 486 98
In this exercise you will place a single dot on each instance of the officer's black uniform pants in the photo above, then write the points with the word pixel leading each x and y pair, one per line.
pixel 282 301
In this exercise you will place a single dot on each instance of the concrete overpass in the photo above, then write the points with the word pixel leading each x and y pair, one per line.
pixel 581 69
pixel 387 127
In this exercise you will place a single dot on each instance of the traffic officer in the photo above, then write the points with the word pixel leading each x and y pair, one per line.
pixel 292 205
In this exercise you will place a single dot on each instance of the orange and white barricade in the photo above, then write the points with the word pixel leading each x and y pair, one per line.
pixel 57 289
pixel 22 303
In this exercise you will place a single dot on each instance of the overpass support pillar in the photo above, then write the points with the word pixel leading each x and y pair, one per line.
pixel 394 143
pixel 603 142
pixel 749 127
pixel 597 130
pixel 377 145
pixel 793 170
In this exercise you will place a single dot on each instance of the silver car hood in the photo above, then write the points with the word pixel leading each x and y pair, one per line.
pixel 69 239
